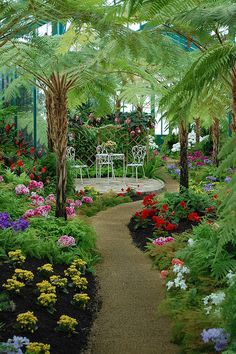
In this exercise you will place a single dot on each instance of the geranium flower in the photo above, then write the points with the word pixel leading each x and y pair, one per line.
pixel 137 214
pixel 194 217
pixel 144 214
pixel 177 261
pixel 43 169
pixel 164 207
pixel 182 204
pixel 20 163
pixel 170 227
pixel 158 221
pixel 32 150
pixel 163 274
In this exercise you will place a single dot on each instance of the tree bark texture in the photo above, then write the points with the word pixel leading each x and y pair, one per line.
pixel 48 103
pixel 59 137
pixel 198 129
pixel 216 140
pixel 183 135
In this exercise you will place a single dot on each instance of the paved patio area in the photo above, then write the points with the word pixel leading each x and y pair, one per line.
pixel 102 185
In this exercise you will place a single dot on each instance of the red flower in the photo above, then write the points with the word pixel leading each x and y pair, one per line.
pixel 20 145
pixel 12 166
pixel 32 150
pixel 177 261
pixel 18 153
pixel 215 196
pixel 20 163
pixel 136 214
pixel 164 273
pixel 31 176
pixel 210 209
pixel 182 204
pixel 148 199
pixel 121 194
pixel 158 221
pixel 128 190
pixel 39 178
pixel 170 227
pixel 144 214
pixel 194 217
pixel 7 128
pixel 43 169
pixel 164 208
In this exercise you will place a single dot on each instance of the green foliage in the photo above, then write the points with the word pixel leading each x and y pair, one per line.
pixel 10 203
pixel 152 166
pixel 228 311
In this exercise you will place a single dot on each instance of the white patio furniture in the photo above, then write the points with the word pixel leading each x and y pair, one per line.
pixel 139 153
pixel 103 159
pixel 71 157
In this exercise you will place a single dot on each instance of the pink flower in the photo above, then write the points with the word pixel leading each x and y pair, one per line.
pixel 21 189
pixel 29 213
pixel 78 203
pixel 177 261
pixel 70 212
pixel 66 241
pixel 1 179
pixel 51 198
pixel 42 210
pixel 87 200
pixel 161 241
pixel 35 185
pixel 69 201
pixel 164 274
pixel 36 199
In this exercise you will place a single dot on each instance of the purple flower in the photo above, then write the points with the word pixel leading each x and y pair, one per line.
pixel 208 187
pixel 20 225
pixel 177 171
pixel 227 179
pixel 5 221
pixel 216 335
pixel 211 178
pixel 172 166
pixel 207 161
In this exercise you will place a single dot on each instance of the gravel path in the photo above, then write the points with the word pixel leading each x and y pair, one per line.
pixel 129 321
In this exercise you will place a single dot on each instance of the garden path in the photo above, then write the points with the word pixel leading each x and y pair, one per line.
pixel 129 321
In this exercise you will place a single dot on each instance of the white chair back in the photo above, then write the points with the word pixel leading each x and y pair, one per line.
pixel 101 150
pixel 139 153
pixel 70 153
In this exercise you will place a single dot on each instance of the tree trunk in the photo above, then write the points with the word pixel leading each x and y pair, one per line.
pixel 198 129
pixel 234 99
pixel 59 137
pixel 216 140
pixel 48 103
pixel 117 108
pixel 183 135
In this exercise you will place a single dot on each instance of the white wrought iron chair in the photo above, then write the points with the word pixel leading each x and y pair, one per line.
pixel 139 152
pixel 71 157
pixel 103 159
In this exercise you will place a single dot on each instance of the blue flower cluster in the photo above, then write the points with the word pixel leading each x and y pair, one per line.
pixel 20 224
pixel 173 169
pixel 216 335
pixel 14 345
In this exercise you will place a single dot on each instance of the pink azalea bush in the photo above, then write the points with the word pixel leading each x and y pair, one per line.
pixel 66 241
pixel 21 189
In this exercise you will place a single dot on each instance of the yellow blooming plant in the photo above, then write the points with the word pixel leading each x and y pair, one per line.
pixel 23 274
pixel 13 285
pixel 27 321
pixel 72 271
pixel 46 287
pixel 38 348
pixel 46 268
pixel 67 324
pixel 58 281
pixel 79 264
pixel 79 282
pixel 47 299
pixel 16 256
pixel 81 299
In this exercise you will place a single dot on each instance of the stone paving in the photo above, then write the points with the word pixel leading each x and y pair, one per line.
pixel 104 185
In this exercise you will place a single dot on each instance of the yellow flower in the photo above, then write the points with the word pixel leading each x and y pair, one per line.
pixel 23 274
pixel 46 287
pixel 47 299
pixel 13 285
pixel 79 263
pixel 38 348
pixel 72 271
pixel 46 268
pixel 16 256
pixel 79 282
pixel 67 323
pixel 82 299
pixel 58 281
pixel 27 321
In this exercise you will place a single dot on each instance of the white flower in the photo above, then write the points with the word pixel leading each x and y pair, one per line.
pixel 169 285
pixel 230 277
pixel 212 301
pixel 191 242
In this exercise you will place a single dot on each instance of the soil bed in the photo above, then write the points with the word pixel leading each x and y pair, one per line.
pixel 141 235
pixel 26 301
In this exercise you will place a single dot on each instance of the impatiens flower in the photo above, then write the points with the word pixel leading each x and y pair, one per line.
pixel 21 189
pixel 1 179
pixel 194 217
pixel 177 261
pixel 161 241
pixel 87 200
pixel 163 274
pixel 182 204
pixel 66 241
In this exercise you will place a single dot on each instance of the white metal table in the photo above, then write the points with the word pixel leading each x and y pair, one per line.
pixel 108 159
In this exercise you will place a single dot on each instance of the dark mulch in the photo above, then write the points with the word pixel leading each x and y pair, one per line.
pixel 26 301
pixel 140 236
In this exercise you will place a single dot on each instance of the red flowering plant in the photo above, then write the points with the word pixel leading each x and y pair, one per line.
pixel 130 192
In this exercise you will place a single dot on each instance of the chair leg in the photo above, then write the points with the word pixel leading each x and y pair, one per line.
pixel 81 175
pixel 143 172
pixel 132 171
pixel 136 173
pixel 88 172
pixel 100 171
